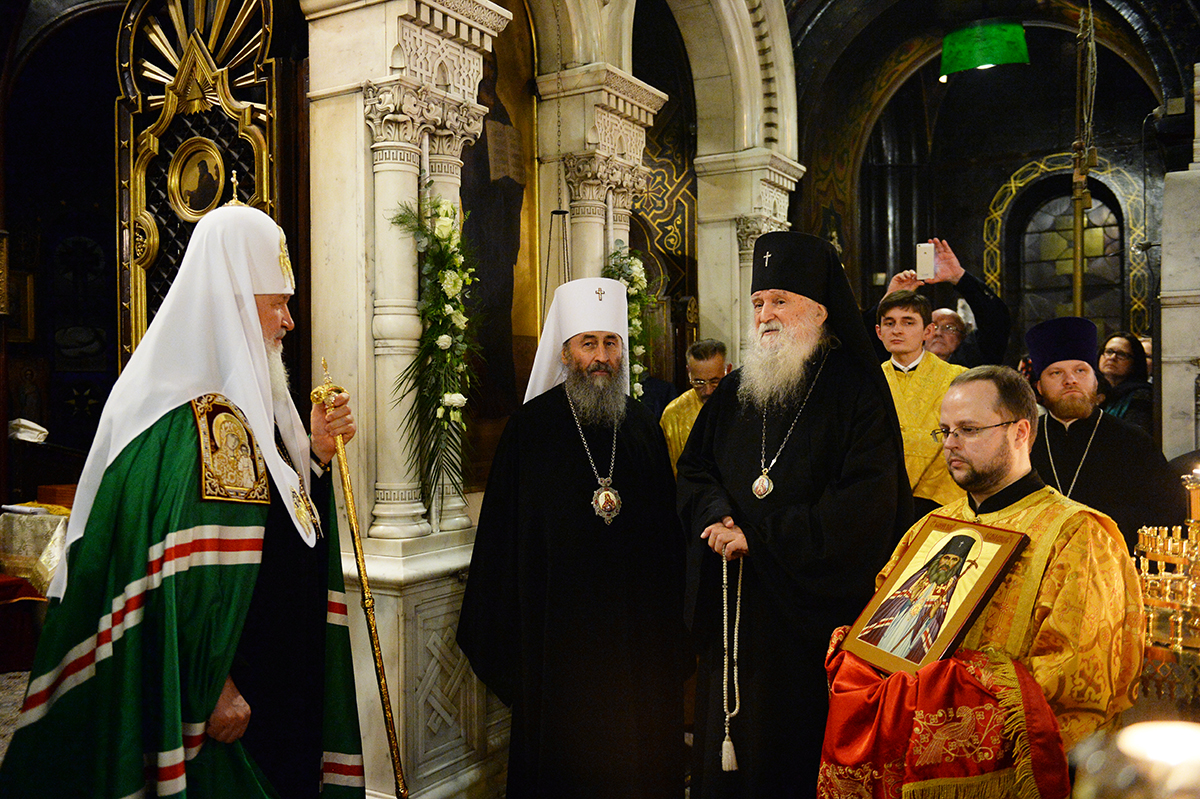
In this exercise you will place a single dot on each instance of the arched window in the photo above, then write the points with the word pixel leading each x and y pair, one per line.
pixel 1047 250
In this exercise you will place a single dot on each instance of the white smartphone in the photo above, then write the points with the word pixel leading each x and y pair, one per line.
pixel 925 270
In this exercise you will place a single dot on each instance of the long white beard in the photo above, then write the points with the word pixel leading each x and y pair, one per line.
pixel 778 374
pixel 280 390
pixel 598 399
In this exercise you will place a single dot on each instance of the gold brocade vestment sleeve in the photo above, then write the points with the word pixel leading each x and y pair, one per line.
pixel 1073 615
pixel 677 420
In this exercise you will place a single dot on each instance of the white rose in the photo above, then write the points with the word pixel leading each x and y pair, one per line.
pixel 638 350
pixel 452 283
pixel 635 326
pixel 443 228
pixel 454 400
pixel 637 391
pixel 444 342
pixel 637 368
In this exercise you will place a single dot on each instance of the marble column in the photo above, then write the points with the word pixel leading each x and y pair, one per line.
pixel 592 127
pixel 1180 298
pixel 741 195
pixel 392 88
pixel 461 122
pixel 397 511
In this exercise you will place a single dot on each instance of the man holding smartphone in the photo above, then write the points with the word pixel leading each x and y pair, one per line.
pixel 951 340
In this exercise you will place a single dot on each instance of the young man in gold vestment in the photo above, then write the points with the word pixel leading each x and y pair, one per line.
pixel 918 379
pixel 1068 612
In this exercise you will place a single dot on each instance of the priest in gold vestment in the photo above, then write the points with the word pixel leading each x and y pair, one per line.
pixel 706 366
pixel 918 380
pixel 1067 614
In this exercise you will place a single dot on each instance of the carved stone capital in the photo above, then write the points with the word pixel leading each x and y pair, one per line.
pixel 395 113
pixel 590 176
pixel 461 124
pixel 401 113
pixel 749 228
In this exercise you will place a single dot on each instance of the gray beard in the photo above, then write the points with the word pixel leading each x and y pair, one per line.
pixel 280 390
pixel 597 399
pixel 779 376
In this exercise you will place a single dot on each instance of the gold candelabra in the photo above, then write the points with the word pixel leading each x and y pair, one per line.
pixel 1169 562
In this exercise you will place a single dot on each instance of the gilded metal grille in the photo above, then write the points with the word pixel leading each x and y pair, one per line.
pixel 198 93
pixel 174 231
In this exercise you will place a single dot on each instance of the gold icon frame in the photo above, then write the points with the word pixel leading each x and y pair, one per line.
pixel 185 172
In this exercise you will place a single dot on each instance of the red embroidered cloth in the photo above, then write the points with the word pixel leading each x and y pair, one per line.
pixel 975 725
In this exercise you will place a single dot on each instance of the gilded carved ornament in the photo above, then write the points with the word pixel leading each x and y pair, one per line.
pixel 179 59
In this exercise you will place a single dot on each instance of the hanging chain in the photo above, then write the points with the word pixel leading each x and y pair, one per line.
pixel 612 464
pixel 1050 454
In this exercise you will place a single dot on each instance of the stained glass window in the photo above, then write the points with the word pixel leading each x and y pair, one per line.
pixel 1047 253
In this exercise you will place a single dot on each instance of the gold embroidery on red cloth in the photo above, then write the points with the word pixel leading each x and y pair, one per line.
pixel 231 465
pixel 948 734
pixel 858 781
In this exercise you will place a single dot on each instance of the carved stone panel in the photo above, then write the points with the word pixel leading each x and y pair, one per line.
pixel 452 724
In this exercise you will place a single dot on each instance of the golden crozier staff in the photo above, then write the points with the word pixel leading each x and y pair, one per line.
pixel 323 395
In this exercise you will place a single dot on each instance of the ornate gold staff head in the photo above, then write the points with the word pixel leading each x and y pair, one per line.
pixel 324 393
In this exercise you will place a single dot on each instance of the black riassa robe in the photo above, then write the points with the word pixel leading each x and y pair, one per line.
pixel 575 624
pixel 1124 474
pixel 815 544
pixel 279 667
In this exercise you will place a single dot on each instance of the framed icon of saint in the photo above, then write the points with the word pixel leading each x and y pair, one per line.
pixel 196 178
pixel 937 590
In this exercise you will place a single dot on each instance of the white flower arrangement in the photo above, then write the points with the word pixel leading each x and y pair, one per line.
pixel 440 375
pixel 625 265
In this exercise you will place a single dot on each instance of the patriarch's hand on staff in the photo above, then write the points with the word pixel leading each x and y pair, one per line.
pixel 230 717
pixel 726 538
pixel 327 424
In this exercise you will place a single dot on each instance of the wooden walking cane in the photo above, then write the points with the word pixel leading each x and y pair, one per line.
pixel 323 395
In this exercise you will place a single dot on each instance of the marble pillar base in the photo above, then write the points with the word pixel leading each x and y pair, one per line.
pixel 453 733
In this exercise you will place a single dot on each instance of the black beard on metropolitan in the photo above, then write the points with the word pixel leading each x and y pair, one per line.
pixel 778 376
pixel 598 394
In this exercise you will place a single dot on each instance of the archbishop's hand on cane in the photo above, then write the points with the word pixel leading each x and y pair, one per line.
pixel 726 538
